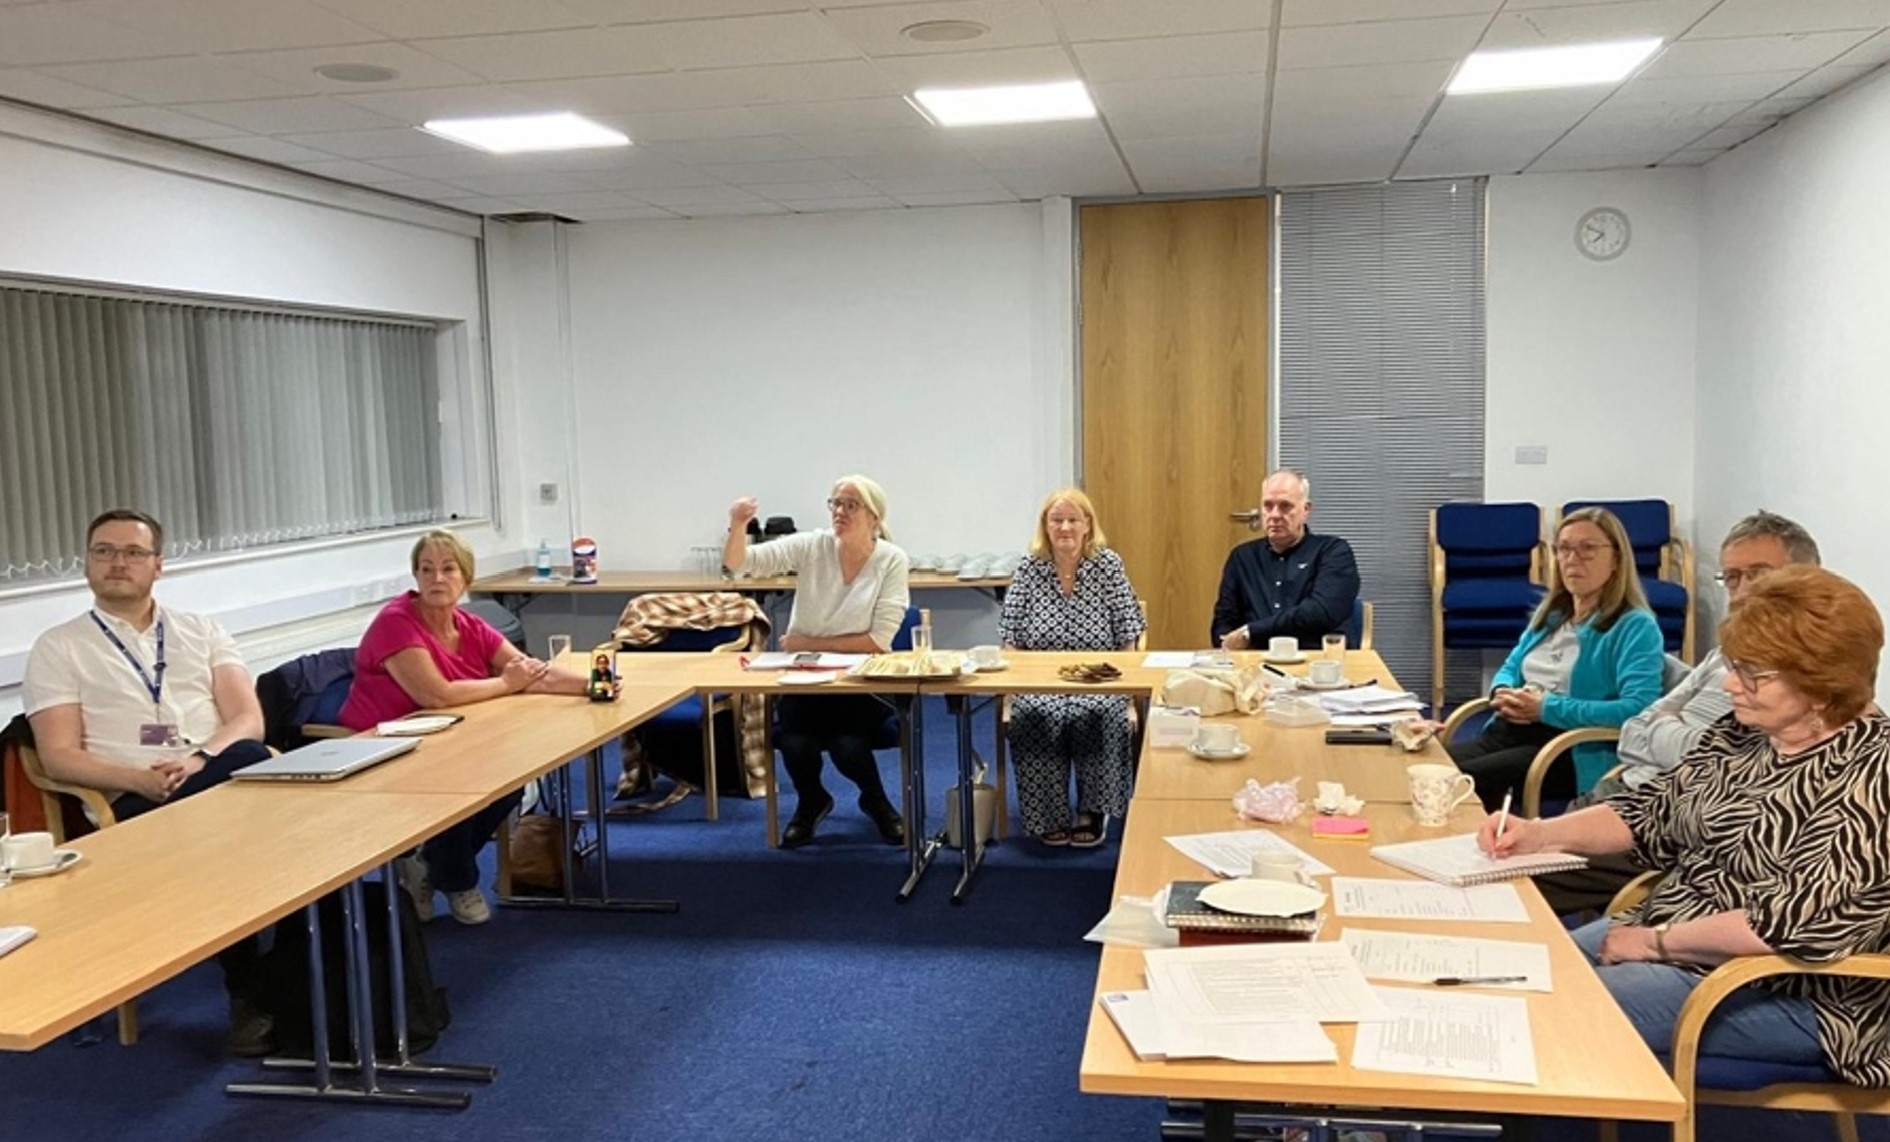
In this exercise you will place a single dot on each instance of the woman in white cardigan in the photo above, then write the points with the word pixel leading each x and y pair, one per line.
pixel 851 597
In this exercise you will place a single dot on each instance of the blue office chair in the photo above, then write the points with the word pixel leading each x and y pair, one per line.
pixel 1358 628
pixel 1486 578
pixel 1665 562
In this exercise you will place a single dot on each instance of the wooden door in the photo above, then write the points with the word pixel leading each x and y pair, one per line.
pixel 1174 313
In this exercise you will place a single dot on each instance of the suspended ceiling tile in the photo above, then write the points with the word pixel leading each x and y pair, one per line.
pixel 347 170
pixel 1201 105
pixel 1294 167
pixel 179 79
pixel 1393 41
pixel 1439 155
pixel 718 210
pixel 751 149
pixel 524 184
pixel 832 205
pixel 688 198
pixel 1591 23
pixel 416 107
pixel 295 69
pixel 876 29
pixel 1218 175
pixel 656 11
pixel 1557 109
pixel 920 139
pixel 888 112
pixel 164 121
pixel 973 69
pixel 1299 13
pixel 629 94
pixel 420 19
pixel 1692 157
pixel 936 164
pixel 45 90
pixel 288 116
pixel 267 150
pixel 791 192
pixel 551 54
pixel 1826 80
pixel 1133 19
pixel 1104 181
pixel 757 174
pixel 484 205
pixel 1751 53
pixel 232 25
pixel 1769 17
pixel 392 142
pixel 682 126
pixel 1106 61
pixel 1318 86
pixel 66 33
pixel 1707 88
pixel 745 41
pixel 997 194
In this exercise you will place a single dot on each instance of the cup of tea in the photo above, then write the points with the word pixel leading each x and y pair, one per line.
pixel 1217 737
pixel 24 852
pixel 1326 672
pixel 985 657
pixel 1436 790
pixel 1285 646
pixel 1277 866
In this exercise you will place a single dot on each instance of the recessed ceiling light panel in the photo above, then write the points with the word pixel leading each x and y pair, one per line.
pixel 356 72
pixel 511 134
pixel 944 31
pixel 1020 103
pixel 1530 69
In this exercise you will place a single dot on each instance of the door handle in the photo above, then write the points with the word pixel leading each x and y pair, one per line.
pixel 1250 517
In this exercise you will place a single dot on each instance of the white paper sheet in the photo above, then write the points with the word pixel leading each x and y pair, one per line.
pixel 1244 983
pixel 1450 1033
pixel 1168 659
pixel 785 660
pixel 1373 719
pixel 1368 700
pixel 1415 958
pixel 1139 1016
pixel 1134 922
pixel 1359 896
pixel 1231 854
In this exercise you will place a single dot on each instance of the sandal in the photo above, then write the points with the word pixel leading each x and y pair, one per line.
pixel 1089 831
pixel 1056 838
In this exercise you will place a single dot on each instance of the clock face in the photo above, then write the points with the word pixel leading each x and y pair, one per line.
pixel 1602 233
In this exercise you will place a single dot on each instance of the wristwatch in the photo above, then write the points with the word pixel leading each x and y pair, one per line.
pixel 1660 939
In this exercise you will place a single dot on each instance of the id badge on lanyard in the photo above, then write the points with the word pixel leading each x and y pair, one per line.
pixel 155 732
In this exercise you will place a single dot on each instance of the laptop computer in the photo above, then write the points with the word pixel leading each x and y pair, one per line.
pixel 329 759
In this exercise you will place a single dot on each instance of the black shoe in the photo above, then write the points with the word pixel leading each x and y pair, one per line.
pixel 800 828
pixel 891 826
pixel 250 1030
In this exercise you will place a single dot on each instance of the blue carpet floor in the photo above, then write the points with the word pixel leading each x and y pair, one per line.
pixel 791 998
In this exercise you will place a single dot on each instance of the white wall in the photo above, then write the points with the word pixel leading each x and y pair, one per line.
pixel 91 205
pixel 1794 333
pixel 1595 360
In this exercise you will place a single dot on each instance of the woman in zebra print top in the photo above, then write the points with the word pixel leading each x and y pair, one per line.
pixel 1774 835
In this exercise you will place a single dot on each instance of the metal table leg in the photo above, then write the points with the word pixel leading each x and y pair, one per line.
pixel 920 848
pixel 602 901
pixel 971 851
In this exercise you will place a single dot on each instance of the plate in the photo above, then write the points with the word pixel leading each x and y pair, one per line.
pixel 1286 659
pixel 421 724
pixel 1250 897
pixel 64 859
pixel 1000 664
pixel 808 677
pixel 1235 754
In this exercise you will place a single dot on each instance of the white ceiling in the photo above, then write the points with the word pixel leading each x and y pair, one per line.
pixel 771 106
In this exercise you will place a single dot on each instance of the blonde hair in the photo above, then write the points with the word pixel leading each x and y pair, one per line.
pixel 440 537
pixel 873 496
pixel 1077 498
pixel 1620 594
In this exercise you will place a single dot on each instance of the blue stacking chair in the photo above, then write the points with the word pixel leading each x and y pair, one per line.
pixel 1486 578
pixel 1665 562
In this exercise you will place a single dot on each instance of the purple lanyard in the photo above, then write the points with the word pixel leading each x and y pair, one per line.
pixel 155 686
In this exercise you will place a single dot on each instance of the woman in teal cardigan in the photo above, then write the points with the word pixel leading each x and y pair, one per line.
pixel 1592 656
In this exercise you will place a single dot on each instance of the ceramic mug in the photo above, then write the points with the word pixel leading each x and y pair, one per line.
pixel 1277 866
pixel 1436 790
pixel 1326 673
pixel 986 656
pixel 27 851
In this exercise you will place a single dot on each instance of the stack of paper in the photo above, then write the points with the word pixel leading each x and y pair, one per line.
pixel 1374 701
pixel 805 660
pixel 1232 853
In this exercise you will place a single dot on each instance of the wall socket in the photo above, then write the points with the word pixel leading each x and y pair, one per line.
pixel 547 493
pixel 1532 454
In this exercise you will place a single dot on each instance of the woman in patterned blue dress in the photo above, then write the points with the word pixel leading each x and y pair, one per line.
pixel 1072 594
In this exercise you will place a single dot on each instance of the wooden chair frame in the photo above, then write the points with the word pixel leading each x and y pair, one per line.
pixel 1552 750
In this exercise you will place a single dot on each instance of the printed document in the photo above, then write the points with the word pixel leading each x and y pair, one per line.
pixel 1457 1035
pixel 1365 897
pixel 1240 983
pixel 1414 958
pixel 1138 1015
pixel 1231 854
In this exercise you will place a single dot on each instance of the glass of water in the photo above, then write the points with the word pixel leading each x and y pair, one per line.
pixel 1334 647
pixel 556 646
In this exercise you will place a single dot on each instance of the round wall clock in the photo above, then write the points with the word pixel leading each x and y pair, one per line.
pixel 1602 233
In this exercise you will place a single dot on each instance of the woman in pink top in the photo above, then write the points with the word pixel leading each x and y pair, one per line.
pixel 423 653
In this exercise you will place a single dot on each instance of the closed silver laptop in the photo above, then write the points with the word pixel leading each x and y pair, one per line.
pixel 329 759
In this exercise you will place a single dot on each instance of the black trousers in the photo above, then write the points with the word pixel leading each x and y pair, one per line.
pixel 1499 757
pixel 846 727
pixel 242 960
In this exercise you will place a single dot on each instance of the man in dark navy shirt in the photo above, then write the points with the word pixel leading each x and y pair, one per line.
pixel 1292 583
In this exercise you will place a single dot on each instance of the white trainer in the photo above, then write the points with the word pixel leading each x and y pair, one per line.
pixel 469 907
pixel 411 871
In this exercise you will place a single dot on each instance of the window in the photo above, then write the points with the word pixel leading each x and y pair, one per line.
pixel 237 428
pixel 1381 383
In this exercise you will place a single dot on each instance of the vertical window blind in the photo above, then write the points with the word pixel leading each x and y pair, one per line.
pixel 236 428
pixel 1381 381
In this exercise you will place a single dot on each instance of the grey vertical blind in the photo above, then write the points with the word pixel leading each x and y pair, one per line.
pixel 1381 375
pixel 236 428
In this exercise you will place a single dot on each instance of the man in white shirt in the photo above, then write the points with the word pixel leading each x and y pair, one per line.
pixel 146 705
pixel 1654 741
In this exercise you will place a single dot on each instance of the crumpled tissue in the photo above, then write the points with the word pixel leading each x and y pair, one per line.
pixel 1278 802
pixel 1332 799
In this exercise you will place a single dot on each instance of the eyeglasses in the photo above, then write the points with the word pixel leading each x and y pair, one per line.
pixel 1731 579
pixel 1581 551
pixel 106 553
pixel 1750 676
pixel 844 507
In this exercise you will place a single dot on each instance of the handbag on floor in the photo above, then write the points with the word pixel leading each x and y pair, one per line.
pixel 536 856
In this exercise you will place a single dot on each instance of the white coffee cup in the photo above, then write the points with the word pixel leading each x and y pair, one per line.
pixel 1217 737
pixel 1277 866
pixel 1326 673
pixel 1436 790
pixel 986 656
pixel 1284 646
pixel 26 851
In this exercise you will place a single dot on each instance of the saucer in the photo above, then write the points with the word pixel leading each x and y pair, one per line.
pixel 1286 659
pixel 66 858
pixel 992 668
pixel 1309 684
pixel 1249 897
pixel 1234 754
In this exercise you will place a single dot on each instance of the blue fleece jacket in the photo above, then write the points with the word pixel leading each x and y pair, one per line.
pixel 1617 674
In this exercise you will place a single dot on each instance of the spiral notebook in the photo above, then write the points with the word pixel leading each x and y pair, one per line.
pixel 1187 913
pixel 1457 861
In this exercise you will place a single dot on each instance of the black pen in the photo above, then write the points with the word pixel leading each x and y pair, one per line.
pixel 1478 980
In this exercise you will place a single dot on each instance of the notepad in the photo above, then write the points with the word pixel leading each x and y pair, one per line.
pixel 1458 861
pixel 11 938
pixel 1187 912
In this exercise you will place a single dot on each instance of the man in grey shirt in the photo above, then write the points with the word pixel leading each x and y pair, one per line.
pixel 1654 741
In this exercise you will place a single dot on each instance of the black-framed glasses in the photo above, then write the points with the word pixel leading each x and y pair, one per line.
pixel 846 507
pixel 1750 676
pixel 1732 579
pixel 106 553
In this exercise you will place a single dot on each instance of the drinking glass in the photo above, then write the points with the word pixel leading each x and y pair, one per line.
pixel 558 644
pixel 1334 646
pixel 6 867
pixel 922 643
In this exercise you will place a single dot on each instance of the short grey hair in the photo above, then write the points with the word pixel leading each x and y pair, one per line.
pixel 1798 544
pixel 1305 485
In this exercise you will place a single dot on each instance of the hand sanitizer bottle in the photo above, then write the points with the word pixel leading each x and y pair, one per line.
pixel 544 559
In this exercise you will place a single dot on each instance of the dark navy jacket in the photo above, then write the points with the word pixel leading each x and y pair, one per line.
pixel 1307 592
